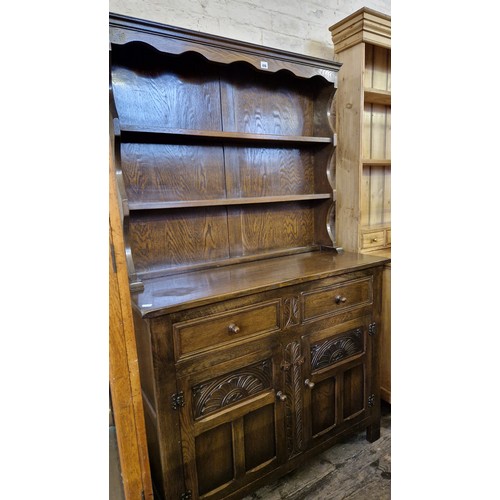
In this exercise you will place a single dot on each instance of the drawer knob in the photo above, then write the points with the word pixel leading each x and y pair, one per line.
pixel 233 328
pixel 281 396
pixel 308 383
pixel 339 299
pixel 374 240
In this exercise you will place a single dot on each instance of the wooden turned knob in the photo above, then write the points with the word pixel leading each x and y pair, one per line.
pixel 374 240
pixel 281 396
pixel 308 383
pixel 339 299
pixel 233 328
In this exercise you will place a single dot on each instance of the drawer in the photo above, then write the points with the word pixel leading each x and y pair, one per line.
pixel 199 335
pixel 373 239
pixel 388 237
pixel 333 299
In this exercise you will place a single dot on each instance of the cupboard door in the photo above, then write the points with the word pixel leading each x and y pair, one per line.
pixel 230 425
pixel 337 381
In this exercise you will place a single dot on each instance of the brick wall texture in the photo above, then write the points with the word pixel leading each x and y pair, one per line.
pixel 295 25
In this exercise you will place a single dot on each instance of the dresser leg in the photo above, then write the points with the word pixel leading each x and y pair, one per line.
pixel 373 432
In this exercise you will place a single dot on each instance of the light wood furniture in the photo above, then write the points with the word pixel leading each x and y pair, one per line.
pixel 125 389
pixel 256 341
pixel 362 43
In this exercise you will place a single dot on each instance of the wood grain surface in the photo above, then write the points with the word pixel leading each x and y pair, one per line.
pixel 197 288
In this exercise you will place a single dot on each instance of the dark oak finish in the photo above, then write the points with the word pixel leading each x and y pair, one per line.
pixel 254 336
pixel 195 133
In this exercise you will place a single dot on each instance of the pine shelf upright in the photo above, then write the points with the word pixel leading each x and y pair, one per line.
pixel 362 44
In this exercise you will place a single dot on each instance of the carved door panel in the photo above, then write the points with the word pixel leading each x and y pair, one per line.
pixel 337 384
pixel 292 394
pixel 231 425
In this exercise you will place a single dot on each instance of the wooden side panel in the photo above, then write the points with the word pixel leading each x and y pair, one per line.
pixel 349 127
pixel 123 367
pixel 385 337
pixel 324 109
pixel 145 358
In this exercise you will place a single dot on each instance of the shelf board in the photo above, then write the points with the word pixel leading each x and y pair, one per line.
pixel 378 96
pixel 131 133
pixel 376 227
pixel 386 162
pixel 155 205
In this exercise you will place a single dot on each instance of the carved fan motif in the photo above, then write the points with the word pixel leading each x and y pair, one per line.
pixel 223 391
pixel 334 350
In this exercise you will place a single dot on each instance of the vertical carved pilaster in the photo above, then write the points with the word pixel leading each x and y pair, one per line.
pixel 292 368
pixel 291 311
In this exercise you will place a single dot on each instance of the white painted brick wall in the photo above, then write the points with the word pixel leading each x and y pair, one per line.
pixel 295 25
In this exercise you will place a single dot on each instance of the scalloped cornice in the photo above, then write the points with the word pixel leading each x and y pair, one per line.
pixel 174 40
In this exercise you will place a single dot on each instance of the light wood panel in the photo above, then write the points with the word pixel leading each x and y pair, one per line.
pixel 362 43
pixel 123 366
pixel 364 149
pixel 350 125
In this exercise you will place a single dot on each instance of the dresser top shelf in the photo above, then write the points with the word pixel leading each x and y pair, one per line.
pixel 174 293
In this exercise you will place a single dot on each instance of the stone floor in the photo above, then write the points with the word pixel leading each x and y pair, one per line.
pixel 353 470
pixel 115 480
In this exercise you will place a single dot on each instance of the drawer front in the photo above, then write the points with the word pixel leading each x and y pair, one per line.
pixel 330 300
pixel 195 336
pixel 373 240
pixel 388 237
